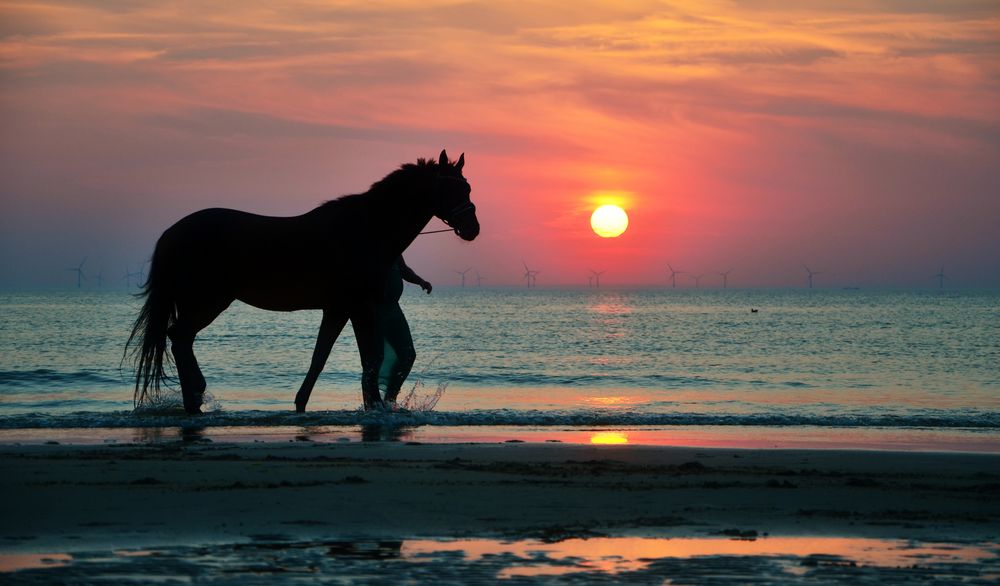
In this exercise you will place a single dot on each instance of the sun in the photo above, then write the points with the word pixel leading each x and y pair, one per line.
pixel 609 221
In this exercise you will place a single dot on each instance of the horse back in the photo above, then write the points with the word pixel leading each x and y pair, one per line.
pixel 278 263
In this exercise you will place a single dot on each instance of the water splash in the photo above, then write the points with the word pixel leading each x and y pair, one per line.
pixel 415 401
pixel 418 403
pixel 171 402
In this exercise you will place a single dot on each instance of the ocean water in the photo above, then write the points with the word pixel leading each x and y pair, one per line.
pixel 601 357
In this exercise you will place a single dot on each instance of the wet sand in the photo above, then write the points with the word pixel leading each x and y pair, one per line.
pixel 879 439
pixel 61 499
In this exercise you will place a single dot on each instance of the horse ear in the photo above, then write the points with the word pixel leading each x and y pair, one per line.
pixel 461 162
pixel 443 159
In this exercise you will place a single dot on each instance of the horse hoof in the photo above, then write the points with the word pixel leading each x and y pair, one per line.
pixel 193 405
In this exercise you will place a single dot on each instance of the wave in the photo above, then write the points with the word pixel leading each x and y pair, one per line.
pixel 985 421
pixel 47 376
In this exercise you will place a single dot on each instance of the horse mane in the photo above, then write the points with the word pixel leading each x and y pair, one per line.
pixel 394 182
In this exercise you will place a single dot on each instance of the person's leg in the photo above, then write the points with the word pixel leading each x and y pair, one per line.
pixel 397 336
pixel 385 312
pixel 388 362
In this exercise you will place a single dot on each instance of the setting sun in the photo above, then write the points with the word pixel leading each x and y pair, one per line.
pixel 609 221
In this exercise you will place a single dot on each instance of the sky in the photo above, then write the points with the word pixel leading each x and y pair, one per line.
pixel 860 138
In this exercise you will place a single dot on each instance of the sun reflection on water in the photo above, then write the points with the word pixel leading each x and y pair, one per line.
pixel 609 437
pixel 613 401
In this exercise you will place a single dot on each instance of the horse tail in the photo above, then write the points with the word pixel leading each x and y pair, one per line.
pixel 149 332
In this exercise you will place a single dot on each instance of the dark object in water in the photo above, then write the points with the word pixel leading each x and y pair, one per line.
pixel 334 258
pixel 753 310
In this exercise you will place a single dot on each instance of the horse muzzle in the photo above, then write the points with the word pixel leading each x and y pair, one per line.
pixel 464 221
pixel 467 227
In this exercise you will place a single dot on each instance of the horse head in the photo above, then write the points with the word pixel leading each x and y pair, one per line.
pixel 451 198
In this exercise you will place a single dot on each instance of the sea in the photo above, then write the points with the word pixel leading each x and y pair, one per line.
pixel 917 368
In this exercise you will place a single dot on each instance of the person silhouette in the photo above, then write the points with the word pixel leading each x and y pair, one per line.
pixel 394 331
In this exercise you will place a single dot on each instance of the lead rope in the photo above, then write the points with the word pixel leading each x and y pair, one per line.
pixel 436 231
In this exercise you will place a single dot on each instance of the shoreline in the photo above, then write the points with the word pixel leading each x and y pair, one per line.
pixel 875 439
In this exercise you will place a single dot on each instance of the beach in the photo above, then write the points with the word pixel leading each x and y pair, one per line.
pixel 513 510
pixel 579 436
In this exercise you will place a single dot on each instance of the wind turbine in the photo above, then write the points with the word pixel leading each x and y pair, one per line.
pixel 463 274
pixel 529 275
pixel 128 277
pixel 479 279
pixel 697 280
pixel 99 277
pixel 811 273
pixel 725 278
pixel 673 276
pixel 596 276
pixel 940 276
pixel 80 277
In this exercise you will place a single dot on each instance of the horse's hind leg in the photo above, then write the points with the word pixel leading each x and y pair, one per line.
pixel 191 319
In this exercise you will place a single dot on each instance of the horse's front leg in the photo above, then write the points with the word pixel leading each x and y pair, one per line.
pixel 370 347
pixel 329 329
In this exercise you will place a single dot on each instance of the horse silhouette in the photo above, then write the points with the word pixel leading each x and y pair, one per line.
pixel 334 258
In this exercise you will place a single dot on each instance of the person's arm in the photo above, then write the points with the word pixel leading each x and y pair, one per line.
pixel 411 277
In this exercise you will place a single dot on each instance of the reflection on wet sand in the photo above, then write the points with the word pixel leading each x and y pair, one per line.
pixel 765 436
pixel 628 554
pixel 370 432
pixel 13 562
pixel 635 559
pixel 609 437
pixel 185 433
pixel 382 433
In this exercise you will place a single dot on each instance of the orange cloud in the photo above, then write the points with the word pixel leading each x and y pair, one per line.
pixel 753 132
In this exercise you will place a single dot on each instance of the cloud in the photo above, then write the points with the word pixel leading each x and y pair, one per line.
pixel 733 123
